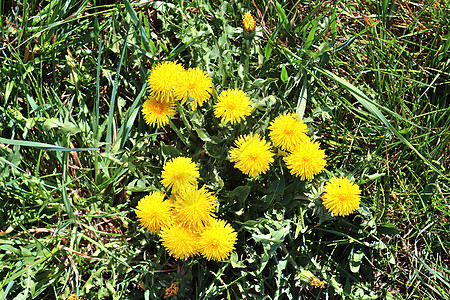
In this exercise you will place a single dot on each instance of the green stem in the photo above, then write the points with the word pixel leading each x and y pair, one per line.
pixel 246 64
pixel 222 65
pixel 65 166
pixel 96 168
pixel 177 131
pixel 291 260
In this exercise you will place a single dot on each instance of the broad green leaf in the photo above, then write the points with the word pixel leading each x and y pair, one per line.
pixel 388 229
pixel 356 257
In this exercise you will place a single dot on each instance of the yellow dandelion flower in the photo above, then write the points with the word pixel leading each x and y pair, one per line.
pixel 195 83
pixel 161 80
pixel 153 212
pixel 72 297
pixel 157 113
pixel 316 282
pixel 172 290
pixel 252 155
pixel 341 197
pixel 232 106
pixel 217 241
pixel 307 160
pixel 308 278
pixel 194 207
pixel 178 173
pixel 287 132
pixel 248 22
pixel 179 241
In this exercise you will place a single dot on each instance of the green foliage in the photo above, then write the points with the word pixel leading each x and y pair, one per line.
pixel 370 79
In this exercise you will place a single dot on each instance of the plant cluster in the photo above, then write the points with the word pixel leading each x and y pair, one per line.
pixel 186 221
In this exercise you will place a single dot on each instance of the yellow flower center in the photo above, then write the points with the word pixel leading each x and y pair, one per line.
pixel 252 157
pixel 231 106
pixel 288 132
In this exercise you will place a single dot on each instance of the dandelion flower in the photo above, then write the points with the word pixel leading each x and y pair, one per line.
pixel 153 212
pixel 195 83
pixel 172 290
pixel 161 80
pixel 178 173
pixel 217 241
pixel 179 241
pixel 194 207
pixel 287 132
pixel 248 22
pixel 252 155
pixel 306 160
pixel 341 197
pixel 308 278
pixel 157 113
pixel 232 106
pixel 316 282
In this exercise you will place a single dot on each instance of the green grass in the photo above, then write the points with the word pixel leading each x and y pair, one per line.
pixel 369 78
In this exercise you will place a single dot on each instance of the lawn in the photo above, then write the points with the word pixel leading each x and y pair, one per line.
pixel 224 150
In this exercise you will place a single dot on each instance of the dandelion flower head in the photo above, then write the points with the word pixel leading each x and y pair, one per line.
pixel 248 22
pixel 194 207
pixel 179 241
pixel 194 82
pixel 171 290
pixel 157 113
pixel 287 132
pixel 162 78
pixel 153 212
pixel 232 106
pixel 217 241
pixel 306 160
pixel 178 173
pixel 252 155
pixel 341 196
pixel 316 282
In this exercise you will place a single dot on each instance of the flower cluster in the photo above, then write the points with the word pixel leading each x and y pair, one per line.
pixel 305 159
pixel 184 214
pixel 169 83
pixel 186 221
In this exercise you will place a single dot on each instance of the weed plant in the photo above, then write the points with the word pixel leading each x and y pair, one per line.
pixel 369 79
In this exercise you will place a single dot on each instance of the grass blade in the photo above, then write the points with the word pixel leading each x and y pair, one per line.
pixel 42 146
pixel 97 87
pixel 130 118
pixel 135 20
pixel 370 106
pixel 109 127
